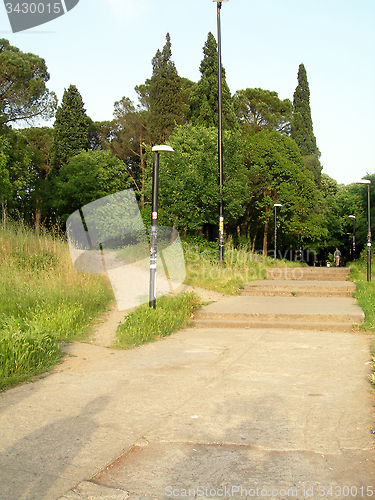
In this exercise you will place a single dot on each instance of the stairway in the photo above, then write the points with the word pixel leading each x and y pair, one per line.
pixel 318 300
pixel 308 273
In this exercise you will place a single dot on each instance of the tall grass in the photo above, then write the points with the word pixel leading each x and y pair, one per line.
pixel 44 301
pixel 365 295
pixel 365 291
pixel 240 265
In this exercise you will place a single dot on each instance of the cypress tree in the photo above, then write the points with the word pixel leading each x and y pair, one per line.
pixel 302 126
pixel 203 103
pixel 70 129
pixel 165 96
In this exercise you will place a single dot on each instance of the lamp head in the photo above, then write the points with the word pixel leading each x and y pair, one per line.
pixel 351 216
pixel 163 149
pixel 277 205
pixel 364 181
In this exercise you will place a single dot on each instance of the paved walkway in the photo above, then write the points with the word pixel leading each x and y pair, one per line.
pixel 215 412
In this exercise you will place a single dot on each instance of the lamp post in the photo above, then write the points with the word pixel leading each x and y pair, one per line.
pixel 220 132
pixel 368 182
pixel 276 205
pixel 353 217
pixel 154 220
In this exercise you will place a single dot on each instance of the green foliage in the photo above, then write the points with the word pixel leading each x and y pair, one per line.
pixel 146 324
pixel 86 177
pixel 39 140
pixel 165 95
pixel 203 103
pixel 17 172
pixel 23 92
pixel 302 126
pixel 189 191
pixel 44 301
pixel 278 175
pixel 70 129
pixel 129 134
pixel 257 109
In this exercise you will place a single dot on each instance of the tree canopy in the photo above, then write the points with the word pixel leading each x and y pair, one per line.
pixel 203 103
pixel 23 91
pixel 70 128
pixel 165 95
pixel 257 109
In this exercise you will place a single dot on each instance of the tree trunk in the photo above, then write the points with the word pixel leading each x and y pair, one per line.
pixel 3 214
pixel 265 239
pixel 142 172
pixel 254 239
pixel 38 218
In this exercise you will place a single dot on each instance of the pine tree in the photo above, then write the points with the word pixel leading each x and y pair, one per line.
pixel 302 126
pixel 203 103
pixel 70 129
pixel 165 97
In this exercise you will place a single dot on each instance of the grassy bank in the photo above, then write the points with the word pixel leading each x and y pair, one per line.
pixel 365 295
pixel 44 301
pixel 365 292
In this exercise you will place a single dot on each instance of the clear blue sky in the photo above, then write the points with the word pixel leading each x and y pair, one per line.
pixel 105 47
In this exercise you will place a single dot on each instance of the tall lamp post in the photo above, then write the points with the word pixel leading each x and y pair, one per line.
pixel 368 182
pixel 154 219
pixel 275 206
pixel 353 217
pixel 220 132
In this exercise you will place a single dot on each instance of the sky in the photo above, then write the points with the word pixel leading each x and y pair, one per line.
pixel 105 48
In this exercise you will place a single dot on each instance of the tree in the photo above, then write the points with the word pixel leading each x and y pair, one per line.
pixel 16 159
pixel 203 103
pixel 70 129
pixel 86 177
pixel 5 184
pixel 189 191
pixel 39 140
pixel 302 126
pixel 23 92
pixel 99 135
pixel 165 95
pixel 278 175
pixel 130 134
pixel 257 109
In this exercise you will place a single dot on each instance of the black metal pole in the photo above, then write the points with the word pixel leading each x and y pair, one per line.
pixel 275 233
pixel 354 239
pixel 368 234
pixel 220 137
pixel 154 229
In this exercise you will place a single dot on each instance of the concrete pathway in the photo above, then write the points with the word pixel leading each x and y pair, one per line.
pixel 205 413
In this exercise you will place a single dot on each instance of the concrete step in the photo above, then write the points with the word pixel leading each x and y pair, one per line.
pixel 299 293
pixel 334 327
pixel 301 313
pixel 296 288
pixel 308 273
